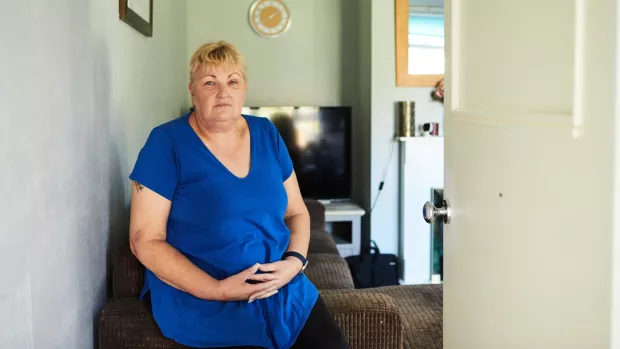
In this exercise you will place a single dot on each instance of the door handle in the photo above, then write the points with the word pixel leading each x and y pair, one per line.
pixel 432 213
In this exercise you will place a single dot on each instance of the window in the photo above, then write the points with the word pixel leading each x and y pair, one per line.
pixel 426 43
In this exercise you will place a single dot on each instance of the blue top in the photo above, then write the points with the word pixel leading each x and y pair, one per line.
pixel 223 224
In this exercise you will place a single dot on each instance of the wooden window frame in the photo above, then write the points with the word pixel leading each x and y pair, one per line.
pixel 403 78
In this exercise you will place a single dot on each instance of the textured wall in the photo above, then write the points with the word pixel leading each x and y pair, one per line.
pixel 79 92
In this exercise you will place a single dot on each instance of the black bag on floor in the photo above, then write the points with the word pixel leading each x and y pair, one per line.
pixel 373 269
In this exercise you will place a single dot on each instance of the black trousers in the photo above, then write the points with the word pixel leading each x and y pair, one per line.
pixel 320 331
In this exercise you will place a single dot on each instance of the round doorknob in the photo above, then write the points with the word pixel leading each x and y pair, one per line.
pixel 432 213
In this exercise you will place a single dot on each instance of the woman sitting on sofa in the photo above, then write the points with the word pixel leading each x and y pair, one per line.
pixel 218 220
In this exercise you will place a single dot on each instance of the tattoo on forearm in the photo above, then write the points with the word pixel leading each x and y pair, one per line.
pixel 138 186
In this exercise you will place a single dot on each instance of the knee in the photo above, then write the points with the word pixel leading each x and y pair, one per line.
pixel 336 340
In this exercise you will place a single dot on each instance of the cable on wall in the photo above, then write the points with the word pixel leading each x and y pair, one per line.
pixel 386 170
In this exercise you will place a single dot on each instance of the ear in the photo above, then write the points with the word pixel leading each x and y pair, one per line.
pixel 190 88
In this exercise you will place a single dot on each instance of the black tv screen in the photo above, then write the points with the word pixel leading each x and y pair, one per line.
pixel 318 141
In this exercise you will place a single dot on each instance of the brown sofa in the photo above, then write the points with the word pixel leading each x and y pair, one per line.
pixel 420 306
pixel 369 320
pixel 382 318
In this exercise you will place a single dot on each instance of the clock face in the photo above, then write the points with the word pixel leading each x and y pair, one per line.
pixel 270 18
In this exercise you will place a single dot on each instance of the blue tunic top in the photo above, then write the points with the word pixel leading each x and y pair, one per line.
pixel 223 224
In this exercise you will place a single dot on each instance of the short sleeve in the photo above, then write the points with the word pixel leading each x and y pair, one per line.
pixel 286 164
pixel 156 166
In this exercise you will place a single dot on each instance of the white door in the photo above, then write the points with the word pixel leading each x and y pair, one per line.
pixel 528 170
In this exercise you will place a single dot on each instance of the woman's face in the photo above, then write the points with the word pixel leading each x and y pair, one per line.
pixel 218 93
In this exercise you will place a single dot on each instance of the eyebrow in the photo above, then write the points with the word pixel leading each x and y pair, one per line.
pixel 213 76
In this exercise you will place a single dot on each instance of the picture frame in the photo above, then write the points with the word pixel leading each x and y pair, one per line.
pixel 138 14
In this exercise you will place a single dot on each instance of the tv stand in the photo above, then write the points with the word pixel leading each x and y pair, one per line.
pixel 343 220
pixel 333 201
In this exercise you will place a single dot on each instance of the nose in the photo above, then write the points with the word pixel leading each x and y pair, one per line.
pixel 222 91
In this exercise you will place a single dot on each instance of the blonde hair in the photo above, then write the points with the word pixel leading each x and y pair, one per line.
pixel 216 54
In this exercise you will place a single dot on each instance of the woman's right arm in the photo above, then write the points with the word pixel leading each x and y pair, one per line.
pixel 147 239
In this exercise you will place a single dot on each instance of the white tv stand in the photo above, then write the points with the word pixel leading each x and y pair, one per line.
pixel 343 219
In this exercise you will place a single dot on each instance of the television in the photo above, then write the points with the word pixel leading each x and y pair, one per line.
pixel 319 143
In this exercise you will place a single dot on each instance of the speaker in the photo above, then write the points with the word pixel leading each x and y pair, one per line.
pixel 406 119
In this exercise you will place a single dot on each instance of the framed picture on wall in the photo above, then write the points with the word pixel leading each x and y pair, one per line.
pixel 138 14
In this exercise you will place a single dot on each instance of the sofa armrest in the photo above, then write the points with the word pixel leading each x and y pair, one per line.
pixel 369 320
pixel 127 323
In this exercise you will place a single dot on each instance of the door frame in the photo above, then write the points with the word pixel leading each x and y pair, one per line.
pixel 615 301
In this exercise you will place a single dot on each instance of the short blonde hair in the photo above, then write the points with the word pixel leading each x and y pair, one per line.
pixel 216 54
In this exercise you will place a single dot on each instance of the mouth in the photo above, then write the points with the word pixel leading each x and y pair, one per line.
pixel 223 105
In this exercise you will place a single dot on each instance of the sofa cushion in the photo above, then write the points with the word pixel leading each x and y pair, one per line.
pixel 328 272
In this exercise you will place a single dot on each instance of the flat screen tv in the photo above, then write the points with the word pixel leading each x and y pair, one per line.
pixel 319 143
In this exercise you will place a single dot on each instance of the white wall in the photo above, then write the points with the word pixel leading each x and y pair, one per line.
pixel 79 92
pixel 384 95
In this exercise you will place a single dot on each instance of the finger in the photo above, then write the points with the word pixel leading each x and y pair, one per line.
pixel 268 267
pixel 263 277
pixel 257 289
pixel 267 295
pixel 250 271
pixel 261 294
pixel 264 286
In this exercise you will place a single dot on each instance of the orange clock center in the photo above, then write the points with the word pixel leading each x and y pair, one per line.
pixel 270 17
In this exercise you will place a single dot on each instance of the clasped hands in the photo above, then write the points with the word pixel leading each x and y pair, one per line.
pixel 273 277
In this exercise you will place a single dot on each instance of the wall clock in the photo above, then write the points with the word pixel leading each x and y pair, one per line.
pixel 270 18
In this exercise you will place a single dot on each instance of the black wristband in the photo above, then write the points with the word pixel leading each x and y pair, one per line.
pixel 297 255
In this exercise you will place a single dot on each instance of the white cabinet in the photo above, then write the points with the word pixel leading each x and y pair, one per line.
pixel 421 171
pixel 344 221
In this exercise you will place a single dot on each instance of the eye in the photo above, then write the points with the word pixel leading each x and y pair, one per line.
pixel 210 83
pixel 234 82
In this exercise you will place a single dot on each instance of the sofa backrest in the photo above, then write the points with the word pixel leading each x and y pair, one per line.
pixel 128 272
pixel 317 214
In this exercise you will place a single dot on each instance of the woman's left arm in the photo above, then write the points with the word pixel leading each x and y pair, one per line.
pixel 297 219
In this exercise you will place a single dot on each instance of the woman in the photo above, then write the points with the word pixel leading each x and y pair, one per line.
pixel 218 220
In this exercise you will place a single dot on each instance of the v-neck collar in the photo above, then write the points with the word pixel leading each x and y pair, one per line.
pixel 197 138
